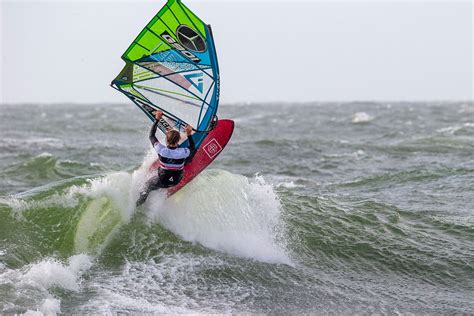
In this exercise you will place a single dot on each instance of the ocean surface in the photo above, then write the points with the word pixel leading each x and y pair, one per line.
pixel 315 208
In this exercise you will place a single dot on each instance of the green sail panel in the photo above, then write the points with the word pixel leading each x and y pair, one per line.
pixel 172 66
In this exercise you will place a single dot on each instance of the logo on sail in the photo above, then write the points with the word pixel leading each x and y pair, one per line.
pixel 196 79
pixel 190 39
pixel 167 37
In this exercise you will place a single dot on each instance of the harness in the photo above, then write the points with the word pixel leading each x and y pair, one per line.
pixel 171 163
pixel 171 158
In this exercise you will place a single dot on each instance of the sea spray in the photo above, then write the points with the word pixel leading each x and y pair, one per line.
pixel 361 117
pixel 226 212
pixel 112 205
pixel 33 284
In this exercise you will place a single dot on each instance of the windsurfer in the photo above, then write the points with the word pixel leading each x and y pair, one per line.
pixel 172 159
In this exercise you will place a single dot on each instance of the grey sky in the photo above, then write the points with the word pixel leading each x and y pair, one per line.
pixel 65 51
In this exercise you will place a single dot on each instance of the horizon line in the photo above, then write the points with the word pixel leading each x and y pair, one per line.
pixel 239 103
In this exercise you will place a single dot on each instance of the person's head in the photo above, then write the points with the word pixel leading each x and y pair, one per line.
pixel 172 138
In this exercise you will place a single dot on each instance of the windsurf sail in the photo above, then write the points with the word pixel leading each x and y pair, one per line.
pixel 172 66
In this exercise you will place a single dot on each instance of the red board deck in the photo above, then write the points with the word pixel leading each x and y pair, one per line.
pixel 210 148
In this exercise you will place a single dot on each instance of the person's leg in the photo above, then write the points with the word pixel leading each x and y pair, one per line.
pixel 152 184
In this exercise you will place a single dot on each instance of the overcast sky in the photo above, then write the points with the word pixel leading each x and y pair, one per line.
pixel 69 51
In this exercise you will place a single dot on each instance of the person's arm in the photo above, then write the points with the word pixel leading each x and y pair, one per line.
pixel 152 136
pixel 192 146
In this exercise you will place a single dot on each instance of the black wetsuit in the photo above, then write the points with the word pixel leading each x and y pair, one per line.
pixel 172 161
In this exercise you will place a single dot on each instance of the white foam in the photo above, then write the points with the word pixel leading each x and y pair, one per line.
pixel 169 285
pixel 18 205
pixel 33 313
pixel 112 204
pixel 290 185
pixel 108 301
pixel 36 279
pixel 43 142
pixel 228 213
pixel 361 117
pixel 52 273
pixel 121 187
pixel 359 153
pixel 449 129
pixel 453 129
pixel 115 186
pixel 49 306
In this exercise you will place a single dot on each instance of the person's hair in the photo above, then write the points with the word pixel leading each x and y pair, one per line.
pixel 172 137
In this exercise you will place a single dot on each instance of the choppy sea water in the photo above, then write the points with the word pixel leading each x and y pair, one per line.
pixel 312 208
